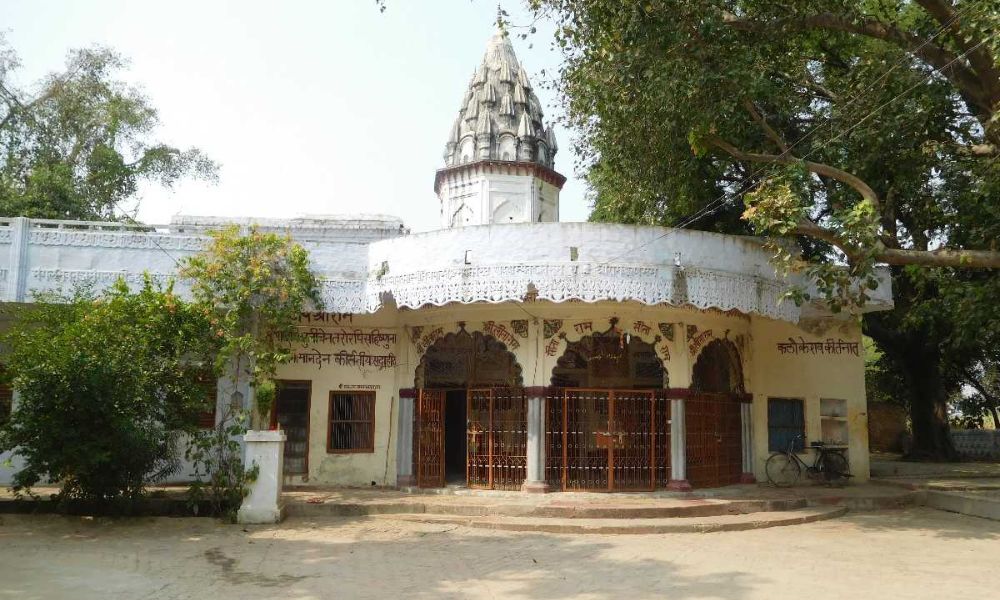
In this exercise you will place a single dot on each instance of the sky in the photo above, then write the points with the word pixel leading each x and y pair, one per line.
pixel 310 106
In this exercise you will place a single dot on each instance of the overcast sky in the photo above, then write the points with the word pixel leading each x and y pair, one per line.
pixel 310 106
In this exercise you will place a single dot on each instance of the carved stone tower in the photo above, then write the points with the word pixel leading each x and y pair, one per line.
pixel 499 157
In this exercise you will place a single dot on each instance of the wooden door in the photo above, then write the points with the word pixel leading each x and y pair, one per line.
pixel 714 439
pixel 428 433
pixel 291 415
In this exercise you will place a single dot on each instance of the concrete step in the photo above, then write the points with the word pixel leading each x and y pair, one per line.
pixel 984 504
pixel 569 508
pixel 741 522
pixel 566 510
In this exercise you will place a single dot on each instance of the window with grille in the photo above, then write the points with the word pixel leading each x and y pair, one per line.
pixel 352 422
pixel 206 416
pixel 6 395
pixel 786 424
pixel 6 402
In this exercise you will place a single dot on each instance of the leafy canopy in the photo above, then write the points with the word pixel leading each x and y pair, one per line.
pixel 253 287
pixel 79 144
pixel 867 129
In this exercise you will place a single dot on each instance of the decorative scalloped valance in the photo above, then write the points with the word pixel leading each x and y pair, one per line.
pixel 700 288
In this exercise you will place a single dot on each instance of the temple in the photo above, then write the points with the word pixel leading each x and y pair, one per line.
pixel 511 351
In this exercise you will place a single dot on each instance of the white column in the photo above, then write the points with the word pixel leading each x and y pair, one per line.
pixel 678 447
pixel 535 481
pixel 404 444
pixel 17 265
pixel 266 450
pixel 746 418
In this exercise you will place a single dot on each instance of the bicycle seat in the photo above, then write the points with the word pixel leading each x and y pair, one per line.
pixel 816 444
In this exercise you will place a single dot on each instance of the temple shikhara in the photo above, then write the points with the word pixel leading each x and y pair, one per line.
pixel 508 350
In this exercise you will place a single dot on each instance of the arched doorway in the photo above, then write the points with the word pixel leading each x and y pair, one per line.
pixel 607 425
pixel 713 417
pixel 470 420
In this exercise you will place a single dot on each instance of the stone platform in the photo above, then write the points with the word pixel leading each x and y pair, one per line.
pixel 724 509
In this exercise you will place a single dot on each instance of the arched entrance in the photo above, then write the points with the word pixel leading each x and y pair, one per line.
pixel 713 417
pixel 470 419
pixel 607 422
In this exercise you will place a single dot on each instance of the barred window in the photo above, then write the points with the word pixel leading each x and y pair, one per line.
pixel 352 422
pixel 6 402
pixel 206 416
pixel 786 424
pixel 6 395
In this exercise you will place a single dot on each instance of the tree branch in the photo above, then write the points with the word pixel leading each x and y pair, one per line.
pixel 787 159
pixel 967 81
pixel 944 257
pixel 768 130
pixel 979 57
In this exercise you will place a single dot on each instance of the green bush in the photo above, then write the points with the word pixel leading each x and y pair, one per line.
pixel 106 386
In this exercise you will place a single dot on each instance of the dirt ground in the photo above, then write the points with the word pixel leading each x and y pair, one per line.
pixel 912 554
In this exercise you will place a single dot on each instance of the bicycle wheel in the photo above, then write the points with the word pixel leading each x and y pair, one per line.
pixel 834 466
pixel 782 470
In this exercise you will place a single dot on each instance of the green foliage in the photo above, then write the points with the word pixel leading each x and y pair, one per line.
pixel 221 479
pixel 106 385
pixel 833 112
pixel 253 288
pixel 80 144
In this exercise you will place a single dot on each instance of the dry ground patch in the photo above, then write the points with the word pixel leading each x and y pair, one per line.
pixel 912 554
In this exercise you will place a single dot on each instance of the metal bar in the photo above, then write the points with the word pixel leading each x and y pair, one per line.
pixel 652 442
pixel 612 429
pixel 565 475
pixel 489 450
pixel 469 448
pixel 420 445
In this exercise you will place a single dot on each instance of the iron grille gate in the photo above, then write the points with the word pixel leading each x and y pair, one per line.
pixel 498 437
pixel 428 438
pixel 714 439
pixel 605 440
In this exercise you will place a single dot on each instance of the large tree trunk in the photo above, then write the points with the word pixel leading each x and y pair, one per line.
pixel 916 358
pixel 928 400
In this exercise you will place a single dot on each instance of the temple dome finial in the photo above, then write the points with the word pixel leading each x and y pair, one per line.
pixel 500 94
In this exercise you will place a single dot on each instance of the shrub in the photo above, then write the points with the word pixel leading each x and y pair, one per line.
pixel 106 385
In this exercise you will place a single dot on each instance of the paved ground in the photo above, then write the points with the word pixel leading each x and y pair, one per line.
pixel 885 465
pixel 912 554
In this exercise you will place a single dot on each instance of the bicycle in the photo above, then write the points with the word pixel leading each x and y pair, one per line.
pixel 785 467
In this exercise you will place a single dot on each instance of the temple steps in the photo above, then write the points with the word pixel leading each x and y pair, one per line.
pixel 618 526
pixel 602 513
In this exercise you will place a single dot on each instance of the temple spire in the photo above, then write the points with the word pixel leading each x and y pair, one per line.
pixel 504 117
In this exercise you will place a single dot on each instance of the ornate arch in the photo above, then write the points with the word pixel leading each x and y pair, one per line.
pixel 718 368
pixel 463 360
pixel 610 359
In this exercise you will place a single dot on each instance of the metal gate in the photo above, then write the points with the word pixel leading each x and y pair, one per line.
pixel 606 440
pixel 714 439
pixel 428 438
pixel 498 437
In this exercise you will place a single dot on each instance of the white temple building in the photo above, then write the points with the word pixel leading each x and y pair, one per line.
pixel 508 350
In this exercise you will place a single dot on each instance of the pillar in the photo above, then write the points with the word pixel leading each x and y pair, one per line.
pixel 404 443
pixel 17 261
pixel 266 450
pixel 535 480
pixel 746 420
pixel 678 448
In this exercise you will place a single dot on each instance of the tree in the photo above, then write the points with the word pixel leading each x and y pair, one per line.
pixel 253 287
pixel 105 384
pixel 79 144
pixel 866 128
